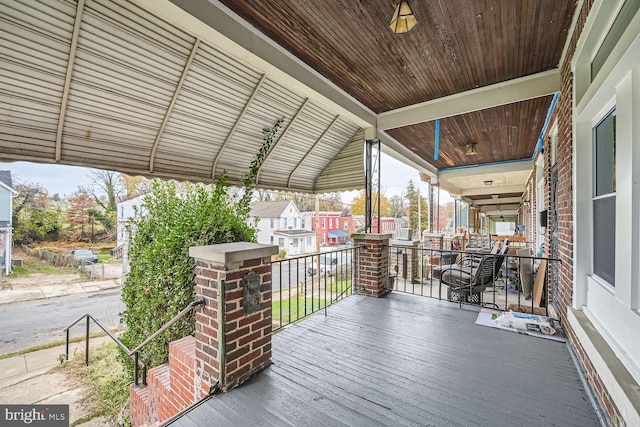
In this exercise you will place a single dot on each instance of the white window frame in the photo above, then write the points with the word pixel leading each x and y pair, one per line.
pixel 613 311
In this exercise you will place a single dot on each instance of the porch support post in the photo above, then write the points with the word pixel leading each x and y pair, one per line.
pixel 372 264
pixel 233 330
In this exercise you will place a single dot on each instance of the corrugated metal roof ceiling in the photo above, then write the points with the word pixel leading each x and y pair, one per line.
pixel 106 84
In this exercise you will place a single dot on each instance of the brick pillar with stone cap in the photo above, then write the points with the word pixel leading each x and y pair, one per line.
pixel 233 330
pixel 372 264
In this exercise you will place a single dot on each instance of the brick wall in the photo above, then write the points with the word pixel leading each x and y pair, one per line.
pixel 198 365
pixel 372 264
pixel 170 386
pixel 564 115
pixel 247 338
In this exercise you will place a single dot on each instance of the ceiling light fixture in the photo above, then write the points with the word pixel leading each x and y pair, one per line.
pixel 488 182
pixel 403 18
pixel 471 149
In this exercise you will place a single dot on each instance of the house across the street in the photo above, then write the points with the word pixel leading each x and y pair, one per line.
pixel 7 193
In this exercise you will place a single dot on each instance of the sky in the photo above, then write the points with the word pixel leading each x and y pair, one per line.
pixel 65 180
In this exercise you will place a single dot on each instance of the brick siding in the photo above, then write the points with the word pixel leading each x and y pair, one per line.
pixel 372 264
pixel 194 367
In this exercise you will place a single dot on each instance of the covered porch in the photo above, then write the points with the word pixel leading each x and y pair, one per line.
pixel 404 360
pixel 497 103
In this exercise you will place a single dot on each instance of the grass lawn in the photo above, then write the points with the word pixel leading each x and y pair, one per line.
pixel 290 310
pixel 106 381
pixel 33 267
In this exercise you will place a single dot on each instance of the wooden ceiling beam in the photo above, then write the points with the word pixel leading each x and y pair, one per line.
pixel 494 189
pixel 507 92
pixel 498 201
pixel 395 149
pixel 516 166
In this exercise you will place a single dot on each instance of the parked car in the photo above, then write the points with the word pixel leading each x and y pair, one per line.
pixel 331 263
pixel 345 245
pixel 85 256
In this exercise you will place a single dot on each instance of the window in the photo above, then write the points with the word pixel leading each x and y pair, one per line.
pixel 285 223
pixel 346 225
pixel 273 222
pixel 308 241
pixel 626 14
pixel 302 223
pixel 295 222
pixel 324 220
pixel 295 243
pixel 281 242
pixel 271 239
pixel 330 222
pixel 604 198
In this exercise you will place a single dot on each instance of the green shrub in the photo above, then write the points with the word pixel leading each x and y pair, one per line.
pixel 160 282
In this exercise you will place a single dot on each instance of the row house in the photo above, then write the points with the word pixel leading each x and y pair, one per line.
pixel 333 228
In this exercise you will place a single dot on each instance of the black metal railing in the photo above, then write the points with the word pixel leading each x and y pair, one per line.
pixel 304 285
pixel 135 353
pixel 515 284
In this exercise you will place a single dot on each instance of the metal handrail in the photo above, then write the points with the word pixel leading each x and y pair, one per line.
pixel 138 364
pixel 167 325
pixel 136 351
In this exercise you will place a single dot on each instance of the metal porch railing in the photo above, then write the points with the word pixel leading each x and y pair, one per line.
pixel 416 271
pixel 304 285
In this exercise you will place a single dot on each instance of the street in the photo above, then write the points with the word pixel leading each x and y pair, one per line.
pixel 31 323
pixel 292 273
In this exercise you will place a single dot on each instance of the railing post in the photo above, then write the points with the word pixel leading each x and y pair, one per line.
pixel 86 352
pixel 136 369
pixel 66 353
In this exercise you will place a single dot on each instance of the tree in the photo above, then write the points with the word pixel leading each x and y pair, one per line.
pixel 416 200
pixel 133 186
pixel 398 205
pixel 331 202
pixel 262 196
pixel 358 204
pixel 82 207
pixel 109 183
pixel 161 279
pixel 35 217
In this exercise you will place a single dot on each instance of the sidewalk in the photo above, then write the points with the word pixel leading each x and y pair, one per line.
pixel 41 291
pixel 27 379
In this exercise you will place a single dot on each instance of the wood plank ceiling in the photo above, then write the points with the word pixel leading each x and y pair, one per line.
pixel 457 46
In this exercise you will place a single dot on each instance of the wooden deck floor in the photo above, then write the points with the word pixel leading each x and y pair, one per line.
pixel 404 360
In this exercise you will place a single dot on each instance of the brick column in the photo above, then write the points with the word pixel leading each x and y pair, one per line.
pixel 402 249
pixel 233 330
pixel 372 264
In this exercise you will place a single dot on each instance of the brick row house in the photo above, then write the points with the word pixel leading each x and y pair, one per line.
pixel 333 228
pixel 583 201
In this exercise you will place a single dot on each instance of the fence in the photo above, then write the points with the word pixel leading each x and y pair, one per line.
pixel 305 285
pixel 514 281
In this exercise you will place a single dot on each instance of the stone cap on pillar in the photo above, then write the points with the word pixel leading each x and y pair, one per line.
pixel 371 236
pixel 230 255
pixel 408 243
